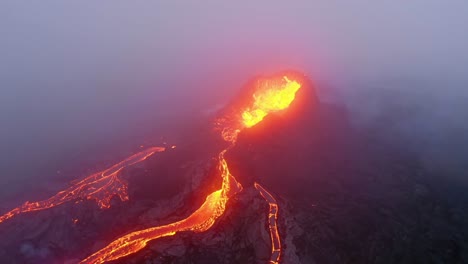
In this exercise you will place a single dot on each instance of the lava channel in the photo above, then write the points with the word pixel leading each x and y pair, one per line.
pixel 101 187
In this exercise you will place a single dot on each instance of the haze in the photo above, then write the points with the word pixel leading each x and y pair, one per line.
pixel 78 78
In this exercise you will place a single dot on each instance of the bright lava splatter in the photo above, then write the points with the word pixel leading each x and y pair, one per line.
pixel 101 187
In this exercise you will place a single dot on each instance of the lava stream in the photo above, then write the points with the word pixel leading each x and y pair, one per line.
pixel 272 224
pixel 101 187
pixel 199 221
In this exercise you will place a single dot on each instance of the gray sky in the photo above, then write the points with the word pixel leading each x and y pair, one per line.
pixel 75 74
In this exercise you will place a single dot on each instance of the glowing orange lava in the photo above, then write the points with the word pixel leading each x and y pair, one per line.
pixel 272 224
pixel 199 221
pixel 271 95
pixel 101 187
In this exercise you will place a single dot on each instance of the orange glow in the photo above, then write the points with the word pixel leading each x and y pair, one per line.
pixel 271 96
pixel 199 221
pixel 101 187
pixel 272 224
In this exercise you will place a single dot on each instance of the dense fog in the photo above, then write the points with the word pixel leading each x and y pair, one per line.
pixel 85 83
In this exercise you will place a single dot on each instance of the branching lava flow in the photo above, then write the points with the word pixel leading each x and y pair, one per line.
pixel 101 187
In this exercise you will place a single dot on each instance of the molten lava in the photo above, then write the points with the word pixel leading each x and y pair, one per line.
pixel 101 187
pixel 271 96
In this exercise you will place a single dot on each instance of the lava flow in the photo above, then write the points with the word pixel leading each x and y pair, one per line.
pixel 272 224
pixel 199 221
pixel 101 187
pixel 271 95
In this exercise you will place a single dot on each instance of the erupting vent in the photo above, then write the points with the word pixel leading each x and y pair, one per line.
pixel 269 95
